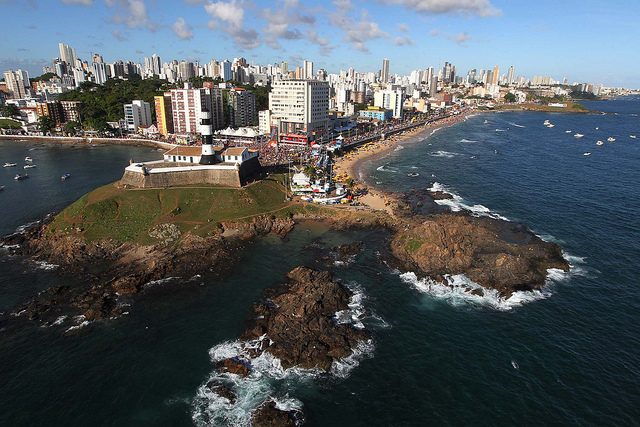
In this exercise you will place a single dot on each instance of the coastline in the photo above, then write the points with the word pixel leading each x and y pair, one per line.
pixel 74 140
pixel 353 163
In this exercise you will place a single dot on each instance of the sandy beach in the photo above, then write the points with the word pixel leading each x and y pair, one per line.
pixel 353 162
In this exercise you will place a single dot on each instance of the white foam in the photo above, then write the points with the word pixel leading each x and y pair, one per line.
pixel 456 292
pixel 501 130
pixel 399 147
pixel 343 367
pixel 445 154
pixel 516 125
pixel 42 265
pixel 21 229
pixel 386 168
pixel 467 140
pixel 160 281
pixel 457 204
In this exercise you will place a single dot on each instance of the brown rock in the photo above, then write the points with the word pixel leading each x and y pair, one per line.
pixel 234 366
pixel 268 415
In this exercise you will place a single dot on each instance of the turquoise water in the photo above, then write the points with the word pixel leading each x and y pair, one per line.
pixel 568 356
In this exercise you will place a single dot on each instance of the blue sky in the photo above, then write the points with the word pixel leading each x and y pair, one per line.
pixel 585 41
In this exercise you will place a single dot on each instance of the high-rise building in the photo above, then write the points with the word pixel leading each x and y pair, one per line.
pixel 137 114
pixel 67 54
pixel 510 75
pixel 188 104
pixel 187 71
pixel 307 70
pixel 225 69
pixel 495 76
pixel 99 73
pixel 17 83
pixel 391 100
pixel 301 107
pixel 446 76
pixel 384 77
pixel 242 108
pixel 164 115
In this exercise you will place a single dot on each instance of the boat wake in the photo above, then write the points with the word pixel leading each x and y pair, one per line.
pixel 467 140
pixel 516 125
pixel 445 154
pixel 386 168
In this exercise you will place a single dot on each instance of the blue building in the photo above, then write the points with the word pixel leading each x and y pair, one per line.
pixel 379 113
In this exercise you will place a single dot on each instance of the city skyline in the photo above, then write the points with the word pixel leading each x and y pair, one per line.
pixel 413 34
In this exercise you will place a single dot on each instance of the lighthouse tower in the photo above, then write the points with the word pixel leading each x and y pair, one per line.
pixel 208 156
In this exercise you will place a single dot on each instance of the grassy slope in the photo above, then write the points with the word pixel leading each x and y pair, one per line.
pixel 9 124
pixel 128 215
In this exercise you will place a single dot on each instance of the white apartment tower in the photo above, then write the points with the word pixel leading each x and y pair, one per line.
pixel 187 105
pixel 17 83
pixel 137 114
pixel 67 54
pixel 301 107
pixel 307 70
pixel 391 100
pixel 385 70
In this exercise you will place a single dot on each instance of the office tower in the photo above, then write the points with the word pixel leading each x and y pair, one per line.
pixel 226 70
pixel 186 71
pixel 301 107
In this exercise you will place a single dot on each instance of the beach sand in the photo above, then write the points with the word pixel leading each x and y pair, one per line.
pixel 352 163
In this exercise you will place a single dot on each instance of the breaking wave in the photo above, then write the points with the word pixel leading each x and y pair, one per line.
pixel 446 154
pixel 457 203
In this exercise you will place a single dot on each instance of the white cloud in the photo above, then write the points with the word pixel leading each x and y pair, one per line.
pixel 81 2
pixel 118 35
pixel 358 33
pixel 131 13
pixel 403 27
pixel 228 17
pixel 480 8
pixel 461 39
pixel 402 41
pixel 182 29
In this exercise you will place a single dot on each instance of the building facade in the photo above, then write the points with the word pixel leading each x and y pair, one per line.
pixel 17 83
pixel 137 114
pixel 242 108
pixel 301 109
pixel 187 105
pixel 164 114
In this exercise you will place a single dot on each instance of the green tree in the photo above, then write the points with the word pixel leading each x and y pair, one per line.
pixel 510 97
pixel 43 78
pixel 311 172
pixel 46 124
pixel 10 110
pixel 70 127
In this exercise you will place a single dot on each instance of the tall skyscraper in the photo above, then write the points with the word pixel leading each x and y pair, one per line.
pixel 164 116
pixel 225 69
pixel 188 104
pixel 495 76
pixel 510 75
pixel 242 107
pixel 446 76
pixel 67 54
pixel 385 71
pixel 307 69
pixel 99 72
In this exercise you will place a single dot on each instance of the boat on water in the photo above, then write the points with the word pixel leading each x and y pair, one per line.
pixel 578 135
pixel 413 174
pixel 550 125
pixel 632 136
pixel 546 122
pixel 599 143
pixel 28 166
pixel 567 131
pixel 9 165
pixel 597 128
pixel 1 187
pixel 28 159
pixel 611 139
pixel 18 177
pixel 65 176
pixel 587 153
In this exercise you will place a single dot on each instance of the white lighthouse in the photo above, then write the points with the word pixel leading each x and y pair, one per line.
pixel 206 130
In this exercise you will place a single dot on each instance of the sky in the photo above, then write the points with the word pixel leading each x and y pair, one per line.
pixel 585 41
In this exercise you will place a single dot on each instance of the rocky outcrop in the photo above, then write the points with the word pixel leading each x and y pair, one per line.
pixel 299 322
pixel 268 415
pixel 494 253
pixel 108 269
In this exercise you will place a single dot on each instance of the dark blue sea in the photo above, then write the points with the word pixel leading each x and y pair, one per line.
pixel 566 356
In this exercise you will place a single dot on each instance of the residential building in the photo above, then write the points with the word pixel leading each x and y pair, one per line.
pixel 301 107
pixel 71 110
pixel 67 54
pixel 242 108
pixel 137 114
pixel 187 105
pixel 17 83
pixel 384 77
pixel 378 113
pixel 390 99
pixel 307 70
pixel 164 115
pixel 264 122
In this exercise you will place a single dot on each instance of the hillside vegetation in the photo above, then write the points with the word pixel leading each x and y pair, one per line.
pixel 129 215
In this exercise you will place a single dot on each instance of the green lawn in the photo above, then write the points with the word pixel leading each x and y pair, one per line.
pixel 9 124
pixel 128 215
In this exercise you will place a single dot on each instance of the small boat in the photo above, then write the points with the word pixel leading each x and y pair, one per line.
pixel 632 136
pixel 587 153
pixel 578 135
pixel 413 174
pixel 546 123
pixel 65 176
pixel 474 157
pixel 550 125
pixel 1 187
pixel 9 165
pixel 567 131
pixel 18 177
pixel 597 128
pixel 611 139
pixel 28 166
pixel 599 143
pixel 28 159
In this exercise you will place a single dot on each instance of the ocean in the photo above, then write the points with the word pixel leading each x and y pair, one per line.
pixel 567 355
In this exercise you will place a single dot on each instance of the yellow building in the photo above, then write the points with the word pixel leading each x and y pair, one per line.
pixel 164 115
